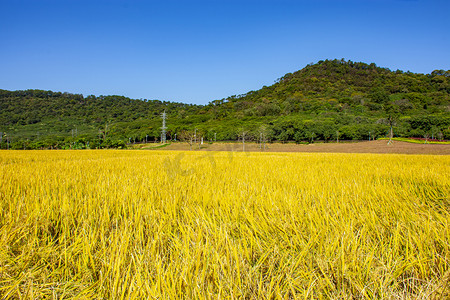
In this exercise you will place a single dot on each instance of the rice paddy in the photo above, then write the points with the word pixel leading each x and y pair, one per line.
pixel 115 224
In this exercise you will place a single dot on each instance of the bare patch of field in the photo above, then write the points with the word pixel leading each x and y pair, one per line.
pixel 380 146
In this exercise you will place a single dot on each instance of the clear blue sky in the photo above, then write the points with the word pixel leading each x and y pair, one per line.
pixel 199 51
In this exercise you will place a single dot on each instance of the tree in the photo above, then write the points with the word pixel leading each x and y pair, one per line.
pixel 188 137
pixel 391 108
pixel 199 138
pixel 283 136
pixel 379 95
pixel 311 135
pixel 392 112
pixel 243 134
pixel 263 133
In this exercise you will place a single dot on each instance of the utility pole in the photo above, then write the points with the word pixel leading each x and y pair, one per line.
pixel 260 140
pixel 175 137
pixel 195 136
pixel 369 136
pixel 163 128
pixel 215 136
pixel 244 133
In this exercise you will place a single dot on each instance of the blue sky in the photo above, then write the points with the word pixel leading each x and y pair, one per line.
pixel 199 51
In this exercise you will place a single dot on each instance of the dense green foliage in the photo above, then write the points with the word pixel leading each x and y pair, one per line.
pixel 36 119
pixel 324 101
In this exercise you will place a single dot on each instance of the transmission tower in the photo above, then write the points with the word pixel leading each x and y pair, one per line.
pixel 163 128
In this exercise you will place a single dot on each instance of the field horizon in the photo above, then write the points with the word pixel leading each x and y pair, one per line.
pixel 377 146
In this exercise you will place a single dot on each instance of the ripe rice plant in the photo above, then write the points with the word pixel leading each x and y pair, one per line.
pixel 117 224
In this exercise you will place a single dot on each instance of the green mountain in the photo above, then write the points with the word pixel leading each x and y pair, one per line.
pixel 323 101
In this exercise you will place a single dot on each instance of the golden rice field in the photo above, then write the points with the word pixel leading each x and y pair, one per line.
pixel 111 224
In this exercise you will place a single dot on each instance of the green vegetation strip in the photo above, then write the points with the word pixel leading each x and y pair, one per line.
pixel 417 141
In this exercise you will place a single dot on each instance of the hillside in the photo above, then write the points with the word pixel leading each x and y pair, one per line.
pixel 327 100
pixel 41 118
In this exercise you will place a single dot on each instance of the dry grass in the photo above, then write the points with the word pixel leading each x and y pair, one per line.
pixel 167 224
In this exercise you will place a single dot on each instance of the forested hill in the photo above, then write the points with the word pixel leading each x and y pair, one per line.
pixel 34 106
pixel 326 100
pixel 340 85
pixel 55 118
